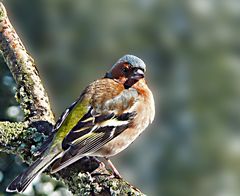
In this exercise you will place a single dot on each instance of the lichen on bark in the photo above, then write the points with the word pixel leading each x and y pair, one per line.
pixel 10 134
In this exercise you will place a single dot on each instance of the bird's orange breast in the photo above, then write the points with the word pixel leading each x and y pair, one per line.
pixel 145 113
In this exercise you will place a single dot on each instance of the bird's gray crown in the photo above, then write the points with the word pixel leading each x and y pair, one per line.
pixel 133 60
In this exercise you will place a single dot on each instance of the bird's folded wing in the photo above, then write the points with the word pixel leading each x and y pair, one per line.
pixel 92 141
pixel 95 129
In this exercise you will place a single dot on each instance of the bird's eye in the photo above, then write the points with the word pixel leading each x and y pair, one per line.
pixel 125 69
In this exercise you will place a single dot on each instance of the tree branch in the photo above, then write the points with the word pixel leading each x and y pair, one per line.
pixel 86 176
pixel 30 91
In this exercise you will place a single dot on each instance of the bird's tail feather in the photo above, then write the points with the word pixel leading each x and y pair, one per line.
pixel 20 183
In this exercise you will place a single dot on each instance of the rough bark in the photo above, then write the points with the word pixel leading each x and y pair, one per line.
pixel 86 176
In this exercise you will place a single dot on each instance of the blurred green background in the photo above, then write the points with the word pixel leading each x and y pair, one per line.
pixel 192 52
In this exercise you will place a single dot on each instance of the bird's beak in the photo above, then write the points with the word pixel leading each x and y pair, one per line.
pixel 137 74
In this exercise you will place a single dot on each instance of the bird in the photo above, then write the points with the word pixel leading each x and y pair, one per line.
pixel 108 116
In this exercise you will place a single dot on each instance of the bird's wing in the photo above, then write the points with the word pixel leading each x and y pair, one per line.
pixel 106 118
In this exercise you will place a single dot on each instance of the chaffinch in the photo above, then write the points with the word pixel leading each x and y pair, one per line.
pixel 108 116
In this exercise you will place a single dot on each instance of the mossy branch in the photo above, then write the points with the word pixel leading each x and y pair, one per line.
pixel 30 91
pixel 9 134
pixel 86 176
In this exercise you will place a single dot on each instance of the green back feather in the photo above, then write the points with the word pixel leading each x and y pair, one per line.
pixel 79 110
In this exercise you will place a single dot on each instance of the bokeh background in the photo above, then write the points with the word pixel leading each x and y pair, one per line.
pixel 191 49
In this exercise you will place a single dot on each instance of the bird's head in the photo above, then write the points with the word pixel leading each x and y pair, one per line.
pixel 128 70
